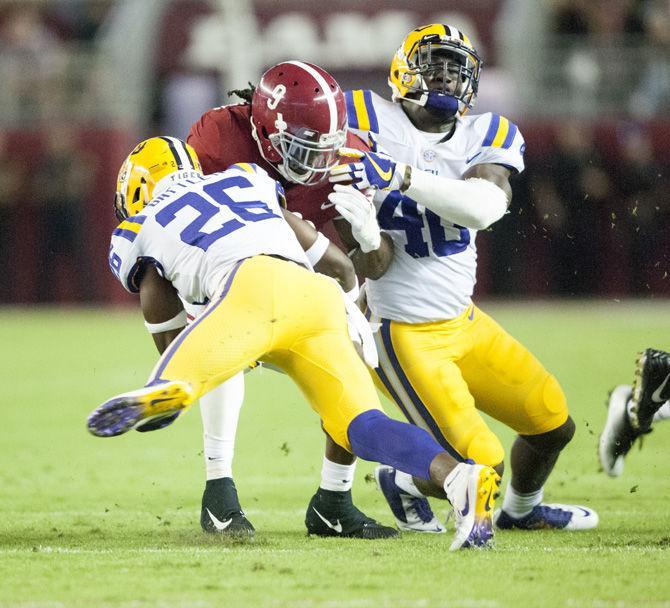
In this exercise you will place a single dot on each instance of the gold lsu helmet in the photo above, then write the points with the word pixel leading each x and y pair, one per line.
pixel 158 159
pixel 430 48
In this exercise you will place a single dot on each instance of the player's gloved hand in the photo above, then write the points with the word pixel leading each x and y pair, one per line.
pixel 370 170
pixel 360 212
pixel 360 333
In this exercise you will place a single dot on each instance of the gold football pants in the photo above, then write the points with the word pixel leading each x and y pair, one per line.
pixel 443 374
pixel 277 311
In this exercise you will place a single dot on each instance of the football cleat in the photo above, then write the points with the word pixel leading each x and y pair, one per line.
pixel 221 512
pixel 156 423
pixel 412 514
pixel 618 435
pixel 549 517
pixel 334 514
pixel 124 412
pixel 472 490
pixel 651 388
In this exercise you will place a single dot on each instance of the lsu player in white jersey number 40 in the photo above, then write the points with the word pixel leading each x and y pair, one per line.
pixel 445 175
pixel 223 238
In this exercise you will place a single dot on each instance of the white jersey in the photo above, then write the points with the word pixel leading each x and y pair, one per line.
pixel 432 275
pixel 197 230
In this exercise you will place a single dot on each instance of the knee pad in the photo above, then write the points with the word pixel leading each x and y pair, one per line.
pixel 554 399
pixel 545 409
pixel 485 448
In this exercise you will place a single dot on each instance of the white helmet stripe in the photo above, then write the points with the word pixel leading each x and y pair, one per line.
pixel 179 151
pixel 329 95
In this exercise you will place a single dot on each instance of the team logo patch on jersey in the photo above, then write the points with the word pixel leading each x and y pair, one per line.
pixel 429 155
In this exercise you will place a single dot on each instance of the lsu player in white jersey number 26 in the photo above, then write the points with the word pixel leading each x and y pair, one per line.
pixel 445 175
pixel 223 238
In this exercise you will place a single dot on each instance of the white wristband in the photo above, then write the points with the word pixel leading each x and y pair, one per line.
pixel 317 249
pixel 474 203
pixel 176 322
pixel 354 292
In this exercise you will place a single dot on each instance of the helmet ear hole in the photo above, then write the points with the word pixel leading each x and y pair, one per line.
pixel 264 131
pixel 136 195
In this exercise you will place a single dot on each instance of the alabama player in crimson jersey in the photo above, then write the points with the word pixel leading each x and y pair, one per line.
pixel 292 125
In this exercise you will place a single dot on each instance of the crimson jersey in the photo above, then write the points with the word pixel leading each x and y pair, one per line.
pixel 222 137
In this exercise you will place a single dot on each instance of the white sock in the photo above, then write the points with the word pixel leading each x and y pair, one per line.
pixel 517 505
pixel 220 411
pixel 663 413
pixel 337 477
pixel 406 483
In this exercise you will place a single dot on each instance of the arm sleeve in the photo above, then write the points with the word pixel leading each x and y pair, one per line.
pixel 473 203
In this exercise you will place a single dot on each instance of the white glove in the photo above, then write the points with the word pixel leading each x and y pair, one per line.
pixel 361 333
pixel 360 212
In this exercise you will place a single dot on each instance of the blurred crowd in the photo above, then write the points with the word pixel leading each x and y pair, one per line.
pixel 589 215
pixel 618 49
pixel 43 45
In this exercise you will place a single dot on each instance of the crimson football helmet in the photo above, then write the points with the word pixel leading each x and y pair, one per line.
pixel 299 119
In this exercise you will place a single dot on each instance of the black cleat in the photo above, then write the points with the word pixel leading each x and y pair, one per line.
pixel 618 435
pixel 221 511
pixel 334 514
pixel 651 388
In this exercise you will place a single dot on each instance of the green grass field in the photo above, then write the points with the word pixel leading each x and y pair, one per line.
pixel 92 522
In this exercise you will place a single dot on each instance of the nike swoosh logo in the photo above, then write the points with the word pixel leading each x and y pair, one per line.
pixel 218 524
pixel 385 175
pixel 337 527
pixel 157 401
pixel 656 395
pixel 468 160
pixel 328 205
pixel 586 513
pixel 466 509
pixel 487 504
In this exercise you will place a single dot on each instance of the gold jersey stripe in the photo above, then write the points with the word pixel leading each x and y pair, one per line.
pixel 132 226
pixel 245 167
pixel 361 110
pixel 501 134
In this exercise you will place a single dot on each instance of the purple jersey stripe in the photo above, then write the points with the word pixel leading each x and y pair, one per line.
pixel 126 234
pixel 493 129
pixel 352 119
pixel 372 115
pixel 510 136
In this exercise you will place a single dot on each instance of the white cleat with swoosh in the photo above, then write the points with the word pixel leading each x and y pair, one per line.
pixel 549 517
pixel 472 490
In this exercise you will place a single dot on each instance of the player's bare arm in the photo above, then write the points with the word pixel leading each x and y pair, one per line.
pixel 160 305
pixel 370 265
pixel 325 257
pixel 497 174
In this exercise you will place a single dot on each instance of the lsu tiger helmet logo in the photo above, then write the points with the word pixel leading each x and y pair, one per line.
pixel 154 160
pixel 436 67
